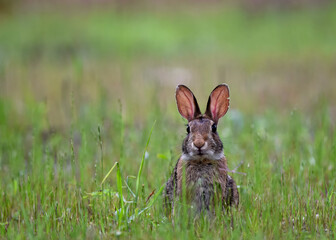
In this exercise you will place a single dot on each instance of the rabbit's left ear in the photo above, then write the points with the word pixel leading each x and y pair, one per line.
pixel 218 103
pixel 186 103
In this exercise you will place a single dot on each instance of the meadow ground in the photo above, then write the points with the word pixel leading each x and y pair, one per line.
pixel 89 130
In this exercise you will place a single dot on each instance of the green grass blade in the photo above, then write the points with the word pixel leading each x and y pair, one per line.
pixel 109 172
pixel 149 205
pixel 141 165
pixel 121 202
pixel 156 195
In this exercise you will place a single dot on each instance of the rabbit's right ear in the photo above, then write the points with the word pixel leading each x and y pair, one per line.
pixel 218 103
pixel 186 103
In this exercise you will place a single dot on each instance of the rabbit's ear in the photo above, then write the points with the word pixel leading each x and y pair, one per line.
pixel 186 103
pixel 218 103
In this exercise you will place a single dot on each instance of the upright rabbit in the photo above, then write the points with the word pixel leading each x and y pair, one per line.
pixel 202 161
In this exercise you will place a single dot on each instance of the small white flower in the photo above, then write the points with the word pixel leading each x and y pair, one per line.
pixel 312 160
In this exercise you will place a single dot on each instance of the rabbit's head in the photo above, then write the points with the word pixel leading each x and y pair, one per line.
pixel 202 140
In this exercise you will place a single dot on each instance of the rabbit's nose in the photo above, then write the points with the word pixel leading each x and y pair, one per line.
pixel 199 143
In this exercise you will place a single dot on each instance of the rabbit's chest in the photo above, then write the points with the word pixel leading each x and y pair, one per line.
pixel 200 175
pixel 203 184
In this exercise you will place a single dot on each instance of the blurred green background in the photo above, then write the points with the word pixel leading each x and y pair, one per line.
pixel 273 54
pixel 69 68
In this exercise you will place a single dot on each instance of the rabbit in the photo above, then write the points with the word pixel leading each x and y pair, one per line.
pixel 202 165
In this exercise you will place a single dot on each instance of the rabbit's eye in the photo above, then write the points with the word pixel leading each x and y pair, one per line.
pixel 188 129
pixel 214 128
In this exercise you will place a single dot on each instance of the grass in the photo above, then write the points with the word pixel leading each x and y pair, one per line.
pixel 288 191
pixel 87 141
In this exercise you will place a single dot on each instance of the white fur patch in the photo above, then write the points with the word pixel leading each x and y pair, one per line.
pixel 206 155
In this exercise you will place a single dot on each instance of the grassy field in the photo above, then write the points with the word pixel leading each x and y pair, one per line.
pixel 89 130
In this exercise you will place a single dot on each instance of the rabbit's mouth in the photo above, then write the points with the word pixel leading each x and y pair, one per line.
pixel 200 153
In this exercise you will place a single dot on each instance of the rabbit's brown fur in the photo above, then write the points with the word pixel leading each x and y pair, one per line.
pixel 202 160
